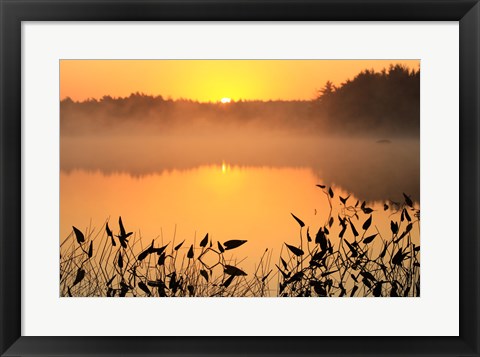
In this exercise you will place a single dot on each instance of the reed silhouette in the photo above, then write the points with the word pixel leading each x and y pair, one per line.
pixel 358 261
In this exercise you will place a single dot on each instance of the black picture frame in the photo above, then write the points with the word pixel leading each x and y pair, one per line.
pixel 13 12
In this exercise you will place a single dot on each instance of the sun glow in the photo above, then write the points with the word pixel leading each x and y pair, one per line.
pixel 225 167
pixel 226 100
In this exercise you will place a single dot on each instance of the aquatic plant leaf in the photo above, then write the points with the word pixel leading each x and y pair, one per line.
pixel 319 289
pixel 161 259
pixel 408 200
pixel 266 276
pixel 330 222
pixel 178 246
pixel 285 275
pixel 354 230
pixel 398 257
pixel 227 282
pixel 296 277
pixel 321 186
pixel 300 222
pixel 123 234
pixel 90 250
pixel 191 290
pixel 159 250
pixel 232 270
pixel 377 290
pixel 318 256
pixel 220 247
pixel 124 289
pixel 367 223
pixel 110 234
pixel 145 288
pixel 204 241
pixel 407 230
pixel 161 291
pixel 146 252
pixel 352 249
pixel 394 227
pixel 79 235
pixel 234 243
pixel 344 200
pixel 173 284
pixel 321 239
pixel 384 251
pixel 111 280
pixel 190 252
pixel 79 277
pixel 309 239
pixel 330 192
pixel 367 210
pixel 120 260
pixel 369 239
pixel 367 283
pixel 284 263
pixel 108 230
pixel 407 216
pixel 204 274
pixel 393 292
pixel 297 251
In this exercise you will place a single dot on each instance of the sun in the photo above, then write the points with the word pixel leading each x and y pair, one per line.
pixel 226 100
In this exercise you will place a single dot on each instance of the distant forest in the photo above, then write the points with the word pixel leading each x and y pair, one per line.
pixel 380 104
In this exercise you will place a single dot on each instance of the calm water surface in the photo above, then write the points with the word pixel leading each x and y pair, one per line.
pixel 246 189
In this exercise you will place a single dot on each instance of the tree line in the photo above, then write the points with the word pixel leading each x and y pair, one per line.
pixel 384 103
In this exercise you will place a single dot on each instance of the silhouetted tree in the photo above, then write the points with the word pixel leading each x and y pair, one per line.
pixel 385 102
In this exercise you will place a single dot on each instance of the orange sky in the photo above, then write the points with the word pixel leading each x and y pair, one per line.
pixel 209 80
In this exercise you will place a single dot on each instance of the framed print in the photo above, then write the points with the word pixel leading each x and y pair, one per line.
pixel 239 178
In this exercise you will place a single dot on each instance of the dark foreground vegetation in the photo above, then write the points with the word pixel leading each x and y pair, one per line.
pixel 356 260
pixel 380 104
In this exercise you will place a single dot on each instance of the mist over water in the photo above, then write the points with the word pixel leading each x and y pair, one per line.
pixel 372 170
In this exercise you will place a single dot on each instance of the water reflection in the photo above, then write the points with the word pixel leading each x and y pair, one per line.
pixel 369 169
pixel 225 201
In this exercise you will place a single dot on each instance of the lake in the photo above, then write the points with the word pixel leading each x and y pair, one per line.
pixel 237 186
